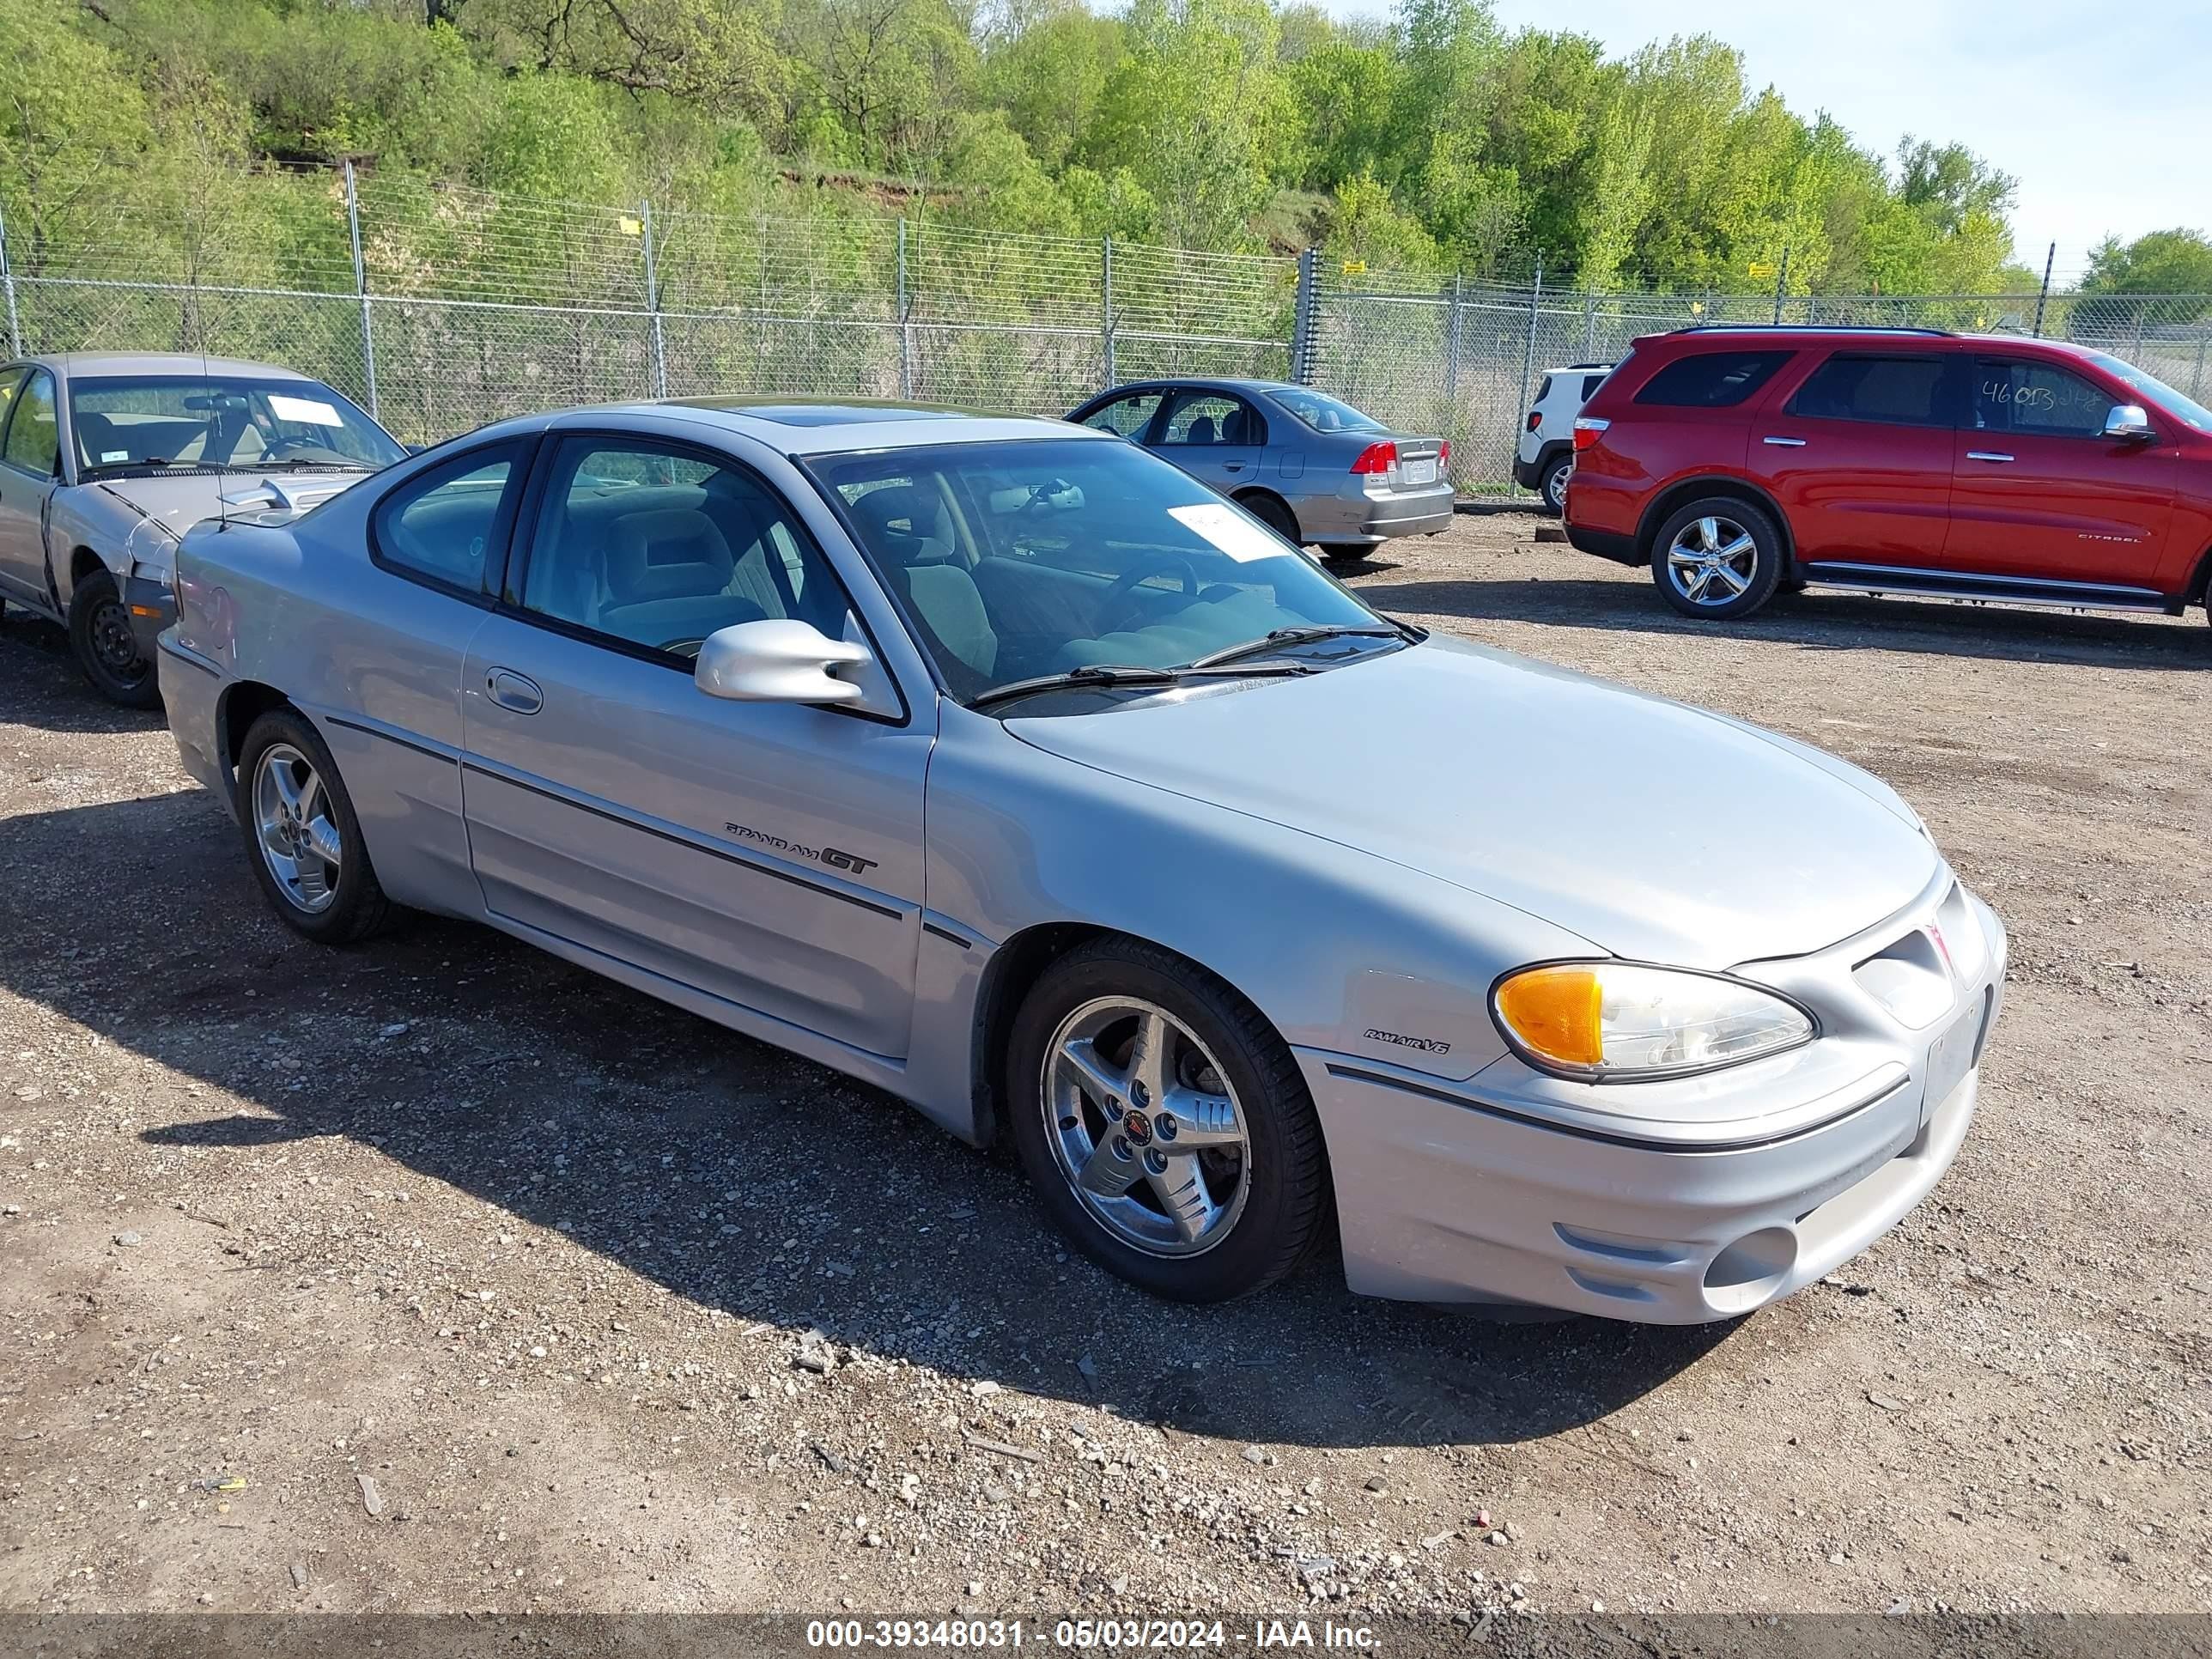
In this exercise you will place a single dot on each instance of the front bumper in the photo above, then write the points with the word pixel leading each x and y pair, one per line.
pixel 1466 1192
pixel 152 606
pixel 192 686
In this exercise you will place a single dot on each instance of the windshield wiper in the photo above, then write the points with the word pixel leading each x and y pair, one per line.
pixel 1106 673
pixel 299 465
pixel 1307 635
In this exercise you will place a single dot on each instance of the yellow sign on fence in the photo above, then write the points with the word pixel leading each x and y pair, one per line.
pixel 1761 269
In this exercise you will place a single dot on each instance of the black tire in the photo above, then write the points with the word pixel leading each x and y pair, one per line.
pixel 1553 484
pixel 1339 558
pixel 1273 511
pixel 357 906
pixel 1286 1202
pixel 1733 521
pixel 99 637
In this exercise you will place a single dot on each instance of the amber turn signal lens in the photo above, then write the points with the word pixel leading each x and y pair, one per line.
pixel 1556 1011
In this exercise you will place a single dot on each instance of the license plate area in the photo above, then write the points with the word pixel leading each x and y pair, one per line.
pixel 1951 1056
pixel 1418 472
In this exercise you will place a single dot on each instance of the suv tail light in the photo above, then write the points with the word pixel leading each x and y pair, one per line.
pixel 1587 429
pixel 1535 419
pixel 1376 458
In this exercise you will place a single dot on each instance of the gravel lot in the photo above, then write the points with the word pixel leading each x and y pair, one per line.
pixel 437 1274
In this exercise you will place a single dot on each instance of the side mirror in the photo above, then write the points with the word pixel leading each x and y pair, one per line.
pixel 781 659
pixel 2128 423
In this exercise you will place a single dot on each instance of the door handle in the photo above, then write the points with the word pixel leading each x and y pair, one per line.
pixel 1784 443
pixel 1991 455
pixel 1232 466
pixel 516 691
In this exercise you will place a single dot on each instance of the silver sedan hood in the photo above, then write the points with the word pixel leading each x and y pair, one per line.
pixel 1656 831
pixel 178 502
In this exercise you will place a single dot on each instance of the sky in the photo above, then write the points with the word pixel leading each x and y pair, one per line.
pixel 2097 109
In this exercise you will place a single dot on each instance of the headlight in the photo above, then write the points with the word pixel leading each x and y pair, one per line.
pixel 1608 1020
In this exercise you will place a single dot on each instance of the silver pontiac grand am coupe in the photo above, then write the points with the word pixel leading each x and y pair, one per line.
pixel 1003 766
pixel 107 457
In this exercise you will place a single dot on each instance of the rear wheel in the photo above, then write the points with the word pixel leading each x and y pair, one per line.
pixel 1717 558
pixel 302 835
pixel 100 636
pixel 1274 512
pixel 1164 1124
pixel 1554 482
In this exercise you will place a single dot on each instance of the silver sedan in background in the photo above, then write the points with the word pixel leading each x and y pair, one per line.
pixel 1310 467
pixel 1004 766
pixel 107 457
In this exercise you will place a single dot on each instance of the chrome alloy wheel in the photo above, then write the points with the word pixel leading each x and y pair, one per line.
pixel 1712 560
pixel 300 839
pixel 1144 1124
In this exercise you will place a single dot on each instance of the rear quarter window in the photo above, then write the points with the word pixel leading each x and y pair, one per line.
pixel 1711 379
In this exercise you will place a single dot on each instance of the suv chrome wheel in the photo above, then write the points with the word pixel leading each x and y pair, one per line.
pixel 299 838
pixel 1712 560
pixel 1145 1127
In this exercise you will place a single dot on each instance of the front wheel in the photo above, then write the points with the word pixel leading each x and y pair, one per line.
pixel 1717 558
pixel 302 834
pixel 100 636
pixel 1164 1124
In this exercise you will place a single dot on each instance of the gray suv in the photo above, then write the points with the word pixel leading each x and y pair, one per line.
pixel 1310 467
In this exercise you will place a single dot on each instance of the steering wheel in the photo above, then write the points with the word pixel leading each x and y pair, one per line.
pixel 1115 599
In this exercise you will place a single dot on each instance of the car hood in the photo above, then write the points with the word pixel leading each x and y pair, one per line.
pixel 179 501
pixel 1654 830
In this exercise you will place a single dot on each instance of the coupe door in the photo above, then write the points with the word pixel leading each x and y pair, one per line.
pixel 2040 495
pixel 768 855
pixel 1215 436
pixel 1859 457
pixel 30 461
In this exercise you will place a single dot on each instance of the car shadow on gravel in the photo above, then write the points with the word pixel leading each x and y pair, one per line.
pixel 45 689
pixel 733 1175
pixel 1827 620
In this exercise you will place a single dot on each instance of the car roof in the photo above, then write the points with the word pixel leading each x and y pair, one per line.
pixel 1227 382
pixel 157 363
pixel 1765 336
pixel 820 426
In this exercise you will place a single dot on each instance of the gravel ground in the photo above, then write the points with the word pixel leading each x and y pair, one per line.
pixel 437 1274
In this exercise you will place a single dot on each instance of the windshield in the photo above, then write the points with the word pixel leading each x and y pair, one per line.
pixel 166 420
pixel 1020 560
pixel 1322 412
pixel 2183 409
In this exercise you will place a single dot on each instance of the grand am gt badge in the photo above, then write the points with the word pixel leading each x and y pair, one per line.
pixel 851 863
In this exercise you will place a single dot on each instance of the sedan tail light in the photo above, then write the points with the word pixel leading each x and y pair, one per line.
pixel 1588 429
pixel 1443 454
pixel 1376 458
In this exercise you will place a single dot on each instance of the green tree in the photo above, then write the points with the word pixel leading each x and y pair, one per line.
pixel 72 122
pixel 2163 262
pixel 1196 112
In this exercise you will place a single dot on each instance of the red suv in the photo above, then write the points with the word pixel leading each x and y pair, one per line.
pixel 1736 460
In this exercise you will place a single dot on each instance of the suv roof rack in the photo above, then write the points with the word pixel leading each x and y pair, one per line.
pixel 1603 365
pixel 1814 328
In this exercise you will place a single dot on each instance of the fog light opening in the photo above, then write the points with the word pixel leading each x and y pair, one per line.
pixel 1747 1272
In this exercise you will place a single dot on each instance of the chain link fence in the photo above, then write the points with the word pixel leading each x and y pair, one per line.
pixel 441 308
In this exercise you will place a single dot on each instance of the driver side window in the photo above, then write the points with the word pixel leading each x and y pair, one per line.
pixel 34 441
pixel 657 547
